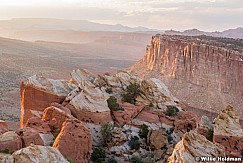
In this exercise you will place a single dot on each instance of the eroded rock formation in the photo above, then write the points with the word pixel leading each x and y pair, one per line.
pixel 37 93
pixel 202 72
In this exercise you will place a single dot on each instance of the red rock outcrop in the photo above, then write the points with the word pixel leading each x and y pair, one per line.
pixel 184 121
pixel 125 116
pixel 34 101
pixel 197 70
pixel 38 93
pixel 74 141
pixel 228 132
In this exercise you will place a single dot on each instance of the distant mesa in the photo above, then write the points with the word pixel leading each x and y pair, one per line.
pixel 204 71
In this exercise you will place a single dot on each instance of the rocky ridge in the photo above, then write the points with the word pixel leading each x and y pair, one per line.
pixel 118 117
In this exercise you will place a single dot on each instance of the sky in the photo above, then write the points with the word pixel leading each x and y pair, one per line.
pixel 207 15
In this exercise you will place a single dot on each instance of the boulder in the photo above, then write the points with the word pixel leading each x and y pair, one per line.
pixel 34 154
pixel 125 116
pixel 195 145
pixel 117 137
pixel 10 141
pixel 37 93
pixel 157 139
pixel 29 136
pixel 55 117
pixel 228 132
pixel 74 141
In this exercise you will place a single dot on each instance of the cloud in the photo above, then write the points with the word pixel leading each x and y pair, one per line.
pixel 163 14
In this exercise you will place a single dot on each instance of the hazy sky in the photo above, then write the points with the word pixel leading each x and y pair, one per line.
pixel 207 15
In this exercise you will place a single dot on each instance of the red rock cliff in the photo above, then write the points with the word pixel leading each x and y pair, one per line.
pixel 203 71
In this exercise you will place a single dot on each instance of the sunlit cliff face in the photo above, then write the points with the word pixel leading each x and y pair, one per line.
pixel 202 72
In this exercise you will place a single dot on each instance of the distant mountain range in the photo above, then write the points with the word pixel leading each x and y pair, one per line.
pixel 61 24
pixel 61 30
pixel 233 33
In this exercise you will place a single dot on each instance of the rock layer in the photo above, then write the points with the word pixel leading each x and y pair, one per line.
pixel 197 70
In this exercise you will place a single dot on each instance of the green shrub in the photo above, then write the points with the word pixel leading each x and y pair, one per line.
pixel 136 160
pixel 132 92
pixel 106 131
pixel 171 110
pixel 109 90
pixel 210 135
pixel 6 151
pixel 134 143
pixel 98 155
pixel 143 132
pixel 112 104
pixel 151 105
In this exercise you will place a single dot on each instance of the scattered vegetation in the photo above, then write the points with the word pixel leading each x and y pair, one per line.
pixel 98 155
pixel 136 160
pixel 132 92
pixel 112 104
pixel 171 110
pixel 151 105
pixel 134 143
pixel 6 151
pixel 109 90
pixel 106 131
pixel 143 132
pixel 210 135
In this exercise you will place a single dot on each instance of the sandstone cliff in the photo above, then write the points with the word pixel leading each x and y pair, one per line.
pixel 203 72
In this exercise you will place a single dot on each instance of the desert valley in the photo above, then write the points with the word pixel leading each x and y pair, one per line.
pixel 79 91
